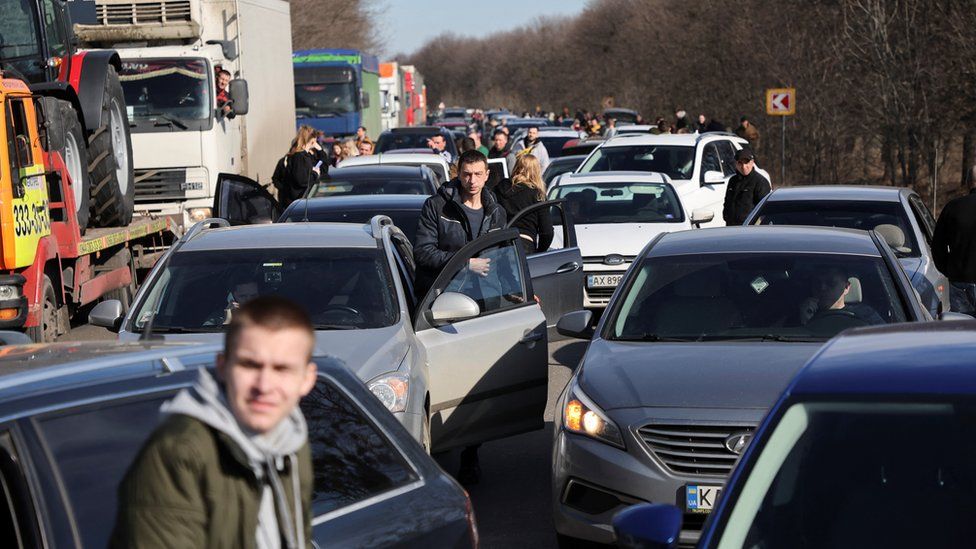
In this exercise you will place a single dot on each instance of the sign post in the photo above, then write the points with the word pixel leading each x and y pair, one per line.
pixel 781 102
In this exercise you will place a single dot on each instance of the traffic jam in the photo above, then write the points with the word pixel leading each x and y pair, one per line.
pixel 212 338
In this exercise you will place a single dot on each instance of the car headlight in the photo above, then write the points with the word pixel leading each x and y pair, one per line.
pixel 199 214
pixel 392 390
pixel 582 416
pixel 9 292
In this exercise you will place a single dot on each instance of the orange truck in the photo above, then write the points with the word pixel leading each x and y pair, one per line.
pixel 49 267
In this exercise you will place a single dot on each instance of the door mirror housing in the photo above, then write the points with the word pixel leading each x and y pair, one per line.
pixel 364 99
pixel 700 216
pixel 648 526
pixel 107 314
pixel 577 324
pixel 713 177
pixel 237 89
pixel 452 307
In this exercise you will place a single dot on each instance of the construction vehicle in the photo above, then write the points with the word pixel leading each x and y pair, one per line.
pixel 48 269
pixel 85 103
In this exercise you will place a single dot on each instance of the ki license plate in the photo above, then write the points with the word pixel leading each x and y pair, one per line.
pixel 700 498
pixel 603 280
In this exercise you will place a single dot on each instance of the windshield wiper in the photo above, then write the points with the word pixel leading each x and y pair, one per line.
pixel 171 121
pixel 777 337
pixel 656 337
pixel 334 327
pixel 185 330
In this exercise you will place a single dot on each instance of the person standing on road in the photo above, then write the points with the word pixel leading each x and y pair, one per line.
pixel 954 250
pixel 530 144
pixel 360 135
pixel 748 132
pixel 524 189
pixel 746 188
pixel 439 145
pixel 303 165
pixel 365 147
pixel 500 148
pixel 475 135
pixel 230 465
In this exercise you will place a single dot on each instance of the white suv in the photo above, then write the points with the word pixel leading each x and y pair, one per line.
pixel 615 215
pixel 699 165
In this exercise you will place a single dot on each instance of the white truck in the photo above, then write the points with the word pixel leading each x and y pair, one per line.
pixel 171 53
pixel 391 95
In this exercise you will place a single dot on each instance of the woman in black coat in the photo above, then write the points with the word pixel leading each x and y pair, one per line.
pixel 524 189
pixel 304 164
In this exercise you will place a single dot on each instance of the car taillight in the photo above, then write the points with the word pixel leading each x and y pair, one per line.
pixel 472 525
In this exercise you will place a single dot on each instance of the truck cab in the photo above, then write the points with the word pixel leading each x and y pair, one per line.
pixel 337 91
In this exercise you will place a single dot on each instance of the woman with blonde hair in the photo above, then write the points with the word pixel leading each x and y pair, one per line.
pixel 304 164
pixel 349 148
pixel 524 189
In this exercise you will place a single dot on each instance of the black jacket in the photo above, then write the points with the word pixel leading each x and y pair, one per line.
pixel 954 243
pixel 443 229
pixel 538 224
pixel 742 195
pixel 294 174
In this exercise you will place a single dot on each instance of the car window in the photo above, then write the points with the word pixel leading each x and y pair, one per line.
pixel 341 288
pixel 92 448
pixel 599 203
pixel 357 187
pixel 726 155
pixel 502 288
pixel 557 168
pixel 676 161
pixel 18 518
pixel 352 459
pixel 710 161
pixel 756 295
pixel 923 217
pixel 841 474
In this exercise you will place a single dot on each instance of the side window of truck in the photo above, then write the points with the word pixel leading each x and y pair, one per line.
pixel 20 151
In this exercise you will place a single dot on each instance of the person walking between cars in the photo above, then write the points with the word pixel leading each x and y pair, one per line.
pixel 746 188
pixel 461 211
pixel 954 250
pixel 303 165
pixel 530 144
pixel 230 464
pixel 524 189
pixel 500 148
pixel 748 132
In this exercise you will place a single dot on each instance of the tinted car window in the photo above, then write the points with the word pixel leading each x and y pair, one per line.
pixel 559 167
pixel 357 187
pixel 677 162
pixel 391 141
pixel 554 145
pixel 847 214
pixel 405 220
pixel 352 459
pixel 726 153
pixel 621 203
pixel 92 448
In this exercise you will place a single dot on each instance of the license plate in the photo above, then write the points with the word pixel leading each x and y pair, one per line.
pixel 603 281
pixel 700 498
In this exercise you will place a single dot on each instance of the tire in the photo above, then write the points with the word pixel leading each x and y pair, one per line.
pixel 110 154
pixel 66 136
pixel 47 330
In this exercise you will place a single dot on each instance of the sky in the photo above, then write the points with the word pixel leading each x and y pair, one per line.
pixel 409 24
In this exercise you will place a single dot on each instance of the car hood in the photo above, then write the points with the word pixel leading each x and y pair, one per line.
pixel 690 375
pixel 626 239
pixel 367 353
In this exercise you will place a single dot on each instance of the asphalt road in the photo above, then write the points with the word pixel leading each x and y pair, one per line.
pixel 512 502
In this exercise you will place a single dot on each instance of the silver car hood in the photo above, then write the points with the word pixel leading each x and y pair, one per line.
pixel 690 375
pixel 367 353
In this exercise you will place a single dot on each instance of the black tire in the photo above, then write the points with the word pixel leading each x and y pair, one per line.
pixel 110 153
pixel 66 136
pixel 47 330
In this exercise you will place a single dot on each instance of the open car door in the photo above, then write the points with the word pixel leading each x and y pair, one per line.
pixel 242 201
pixel 557 272
pixel 486 346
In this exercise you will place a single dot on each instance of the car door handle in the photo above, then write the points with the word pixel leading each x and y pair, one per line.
pixel 570 267
pixel 531 337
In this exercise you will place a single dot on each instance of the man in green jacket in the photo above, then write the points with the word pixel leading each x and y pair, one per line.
pixel 230 465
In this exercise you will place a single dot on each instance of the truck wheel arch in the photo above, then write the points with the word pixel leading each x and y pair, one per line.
pixel 90 84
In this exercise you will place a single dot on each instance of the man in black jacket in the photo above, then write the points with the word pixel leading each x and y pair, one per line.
pixel 746 188
pixel 500 148
pixel 954 251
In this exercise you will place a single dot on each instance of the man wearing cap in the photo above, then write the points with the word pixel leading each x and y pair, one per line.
pixel 746 188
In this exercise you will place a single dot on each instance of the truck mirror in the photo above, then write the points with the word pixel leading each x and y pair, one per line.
pixel 23 151
pixel 238 94
pixel 364 98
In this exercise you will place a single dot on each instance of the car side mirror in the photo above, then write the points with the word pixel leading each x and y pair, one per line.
pixel 107 314
pixel 364 99
pixel 452 307
pixel 237 89
pixel 648 526
pixel 701 216
pixel 576 324
pixel 713 177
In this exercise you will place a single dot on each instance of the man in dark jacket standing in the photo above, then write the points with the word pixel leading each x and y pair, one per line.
pixel 500 148
pixel 954 251
pixel 230 465
pixel 746 188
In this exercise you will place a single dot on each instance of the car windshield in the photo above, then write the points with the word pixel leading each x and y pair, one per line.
pixel 405 220
pixel 596 203
pixel 676 161
pixel 847 474
pixel 342 288
pixel 166 92
pixel 848 214
pixel 368 186
pixel 764 296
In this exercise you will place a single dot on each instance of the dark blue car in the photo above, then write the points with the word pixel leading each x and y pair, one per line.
pixel 871 445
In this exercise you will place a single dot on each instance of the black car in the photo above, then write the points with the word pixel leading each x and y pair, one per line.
pixel 73 417
pixel 404 210
pixel 414 137
pixel 376 179
pixel 561 165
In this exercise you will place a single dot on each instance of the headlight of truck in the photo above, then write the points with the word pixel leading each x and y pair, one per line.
pixel 9 292
pixel 582 416
pixel 199 214
pixel 392 390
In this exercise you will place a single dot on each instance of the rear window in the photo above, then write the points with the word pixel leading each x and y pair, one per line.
pixel 405 220
pixel 676 161
pixel 358 187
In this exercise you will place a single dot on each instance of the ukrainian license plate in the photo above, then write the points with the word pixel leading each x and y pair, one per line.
pixel 603 280
pixel 701 498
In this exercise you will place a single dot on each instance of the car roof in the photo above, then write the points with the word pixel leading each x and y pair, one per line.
pixel 766 239
pixel 839 192
pixel 369 170
pixel 282 235
pixel 613 177
pixel 679 139
pixel 927 358
pixel 381 202
pixel 551 131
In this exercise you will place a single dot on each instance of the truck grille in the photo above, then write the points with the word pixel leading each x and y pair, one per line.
pixel 693 449
pixel 115 12
pixel 160 185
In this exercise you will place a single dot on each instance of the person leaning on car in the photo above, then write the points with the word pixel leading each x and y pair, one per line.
pixel 954 250
pixel 746 188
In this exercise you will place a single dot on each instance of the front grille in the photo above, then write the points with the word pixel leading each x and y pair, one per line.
pixel 693 449
pixel 114 12
pixel 160 185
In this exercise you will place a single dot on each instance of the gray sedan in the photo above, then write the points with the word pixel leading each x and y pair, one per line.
pixel 704 332
pixel 897 213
